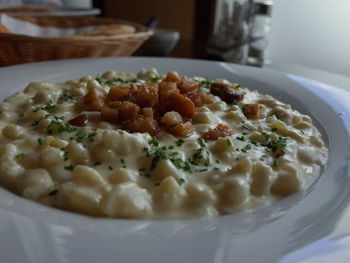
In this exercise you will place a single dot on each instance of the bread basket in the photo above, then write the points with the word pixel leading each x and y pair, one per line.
pixel 17 48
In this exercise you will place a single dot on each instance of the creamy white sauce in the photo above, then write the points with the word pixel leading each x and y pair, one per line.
pixel 103 171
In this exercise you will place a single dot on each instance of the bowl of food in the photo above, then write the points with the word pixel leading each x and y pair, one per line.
pixel 170 160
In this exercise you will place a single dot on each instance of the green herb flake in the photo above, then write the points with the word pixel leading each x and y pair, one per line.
pixel 154 142
pixel 123 163
pixel 110 167
pixel 50 105
pixel 40 141
pixel 69 167
pixel 241 138
pixel 201 141
pixel 205 83
pixel 66 96
pixel 273 145
pixel 228 141
pixel 181 181
pixel 80 136
pixel 97 163
pixel 35 123
pixel 53 192
pixel 19 156
pixel 180 142
pixel 57 124
pixel 65 154
pixel 266 135
pixel 92 134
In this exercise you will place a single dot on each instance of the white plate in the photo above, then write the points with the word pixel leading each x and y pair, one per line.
pixel 308 227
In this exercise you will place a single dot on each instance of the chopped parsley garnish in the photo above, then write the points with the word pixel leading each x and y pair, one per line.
pixel 241 138
pixel 246 148
pixel 228 141
pixel 205 83
pixel 69 167
pixel 50 105
pixel 180 142
pixel 65 154
pixel 181 181
pixel 80 136
pixel 275 163
pixel 97 163
pixel 40 141
pixel 110 167
pixel 158 152
pixel 201 141
pixel 154 79
pixel 66 96
pixel 123 163
pixel 153 141
pixel 35 123
pixel 142 172
pixel 273 129
pixel 273 145
pixel 57 124
pixel 92 134
pixel 19 156
pixel 54 192
pixel 116 81
pixel 266 135
pixel 202 152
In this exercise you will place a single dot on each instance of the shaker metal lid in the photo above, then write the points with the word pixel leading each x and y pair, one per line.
pixel 264 8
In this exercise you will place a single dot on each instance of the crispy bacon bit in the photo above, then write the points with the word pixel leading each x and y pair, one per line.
pixel 96 105
pixel 109 114
pixel 80 120
pixel 166 90
pixel 182 105
pixel 182 129
pixel 187 86
pixel 142 107
pixel 171 118
pixel 200 99
pixel 172 77
pixel 220 131
pixel 93 100
pixel 91 96
pixel 118 93
pixel 252 111
pixel 142 124
pixel 148 112
pixel 115 104
pixel 147 95
pixel 128 111
pixel 226 93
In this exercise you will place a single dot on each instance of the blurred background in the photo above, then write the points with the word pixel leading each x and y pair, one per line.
pixel 312 33
pixel 287 35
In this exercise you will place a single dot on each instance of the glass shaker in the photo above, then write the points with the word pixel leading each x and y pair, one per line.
pixel 259 31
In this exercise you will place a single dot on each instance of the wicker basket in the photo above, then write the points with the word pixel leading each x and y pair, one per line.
pixel 16 49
